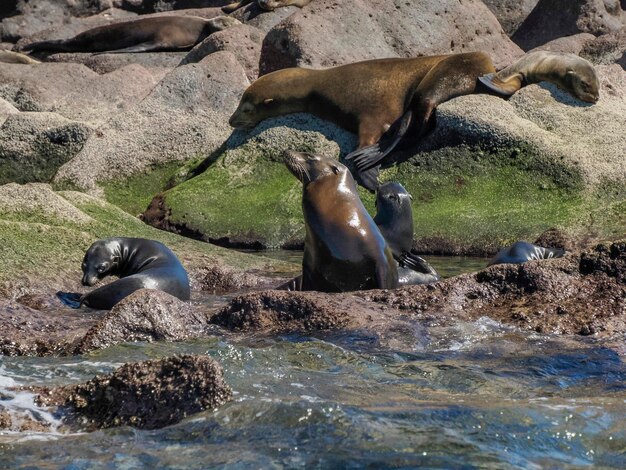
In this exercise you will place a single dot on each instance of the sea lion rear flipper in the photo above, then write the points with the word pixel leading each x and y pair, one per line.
pixel 372 155
pixel 143 47
pixel 417 264
pixel 235 6
pixel 505 88
pixel 71 299
pixel 368 178
pixel 294 284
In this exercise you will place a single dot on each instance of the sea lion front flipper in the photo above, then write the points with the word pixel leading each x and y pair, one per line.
pixel 368 178
pixel 501 87
pixel 143 47
pixel 416 263
pixel 235 6
pixel 372 155
pixel 71 299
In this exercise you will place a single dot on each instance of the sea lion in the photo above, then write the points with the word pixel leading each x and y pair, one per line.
pixel 160 33
pixel 521 251
pixel 140 264
pixel 10 57
pixel 567 71
pixel 343 249
pixel 268 5
pixel 371 98
pixel 394 218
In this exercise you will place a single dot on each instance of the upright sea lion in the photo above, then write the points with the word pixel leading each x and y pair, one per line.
pixel 367 97
pixel 567 71
pixel 161 33
pixel 520 252
pixel 140 264
pixel 343 249
pixel 394 218
pixel 269 5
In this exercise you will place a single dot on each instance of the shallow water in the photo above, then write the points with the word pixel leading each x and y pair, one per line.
pixel 474 395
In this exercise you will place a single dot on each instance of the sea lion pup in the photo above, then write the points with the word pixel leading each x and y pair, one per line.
pixel 521 251
pixel 161 33
pixel 10 57
pixel 268 5
pixel 370 98
pixel 394 218
pixel 343 248
pixel 140 264
pixel 569 72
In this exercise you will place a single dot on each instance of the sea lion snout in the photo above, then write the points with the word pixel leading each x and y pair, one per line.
pixel 89 279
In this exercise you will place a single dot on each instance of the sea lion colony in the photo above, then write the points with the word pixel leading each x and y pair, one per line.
pixel 391 104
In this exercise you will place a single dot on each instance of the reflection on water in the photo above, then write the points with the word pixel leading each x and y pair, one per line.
pixel 471 395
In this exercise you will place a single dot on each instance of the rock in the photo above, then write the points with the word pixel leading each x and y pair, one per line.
pixel 555 238
pixel 510 13
pixel 145 315
pixel 581 293
pixel 146 395
pixel 6 109
pixel 33 146
pixel 328 33
pixel 552 19
pixel 185 115
pixel 223 279
pixel 243 41
pixel 157 63
pixel 606 49
pixel 569 44
pixel 255 16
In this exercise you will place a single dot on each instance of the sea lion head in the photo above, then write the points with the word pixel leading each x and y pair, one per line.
pixel 392 198
pixel 581 79
pixel 101 259
pixel 277 93
pixel 308 167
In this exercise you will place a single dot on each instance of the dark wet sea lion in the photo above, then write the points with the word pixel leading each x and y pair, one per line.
pixel 161 33
pixel 140 264
pixel 268 5
pixel 343 249
pixel 520 252
pixel 370 98
pixel 394 218
pixel 568 71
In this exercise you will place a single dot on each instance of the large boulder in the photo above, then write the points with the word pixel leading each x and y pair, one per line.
pixel 33 146
pixel 146 395
pixel 328 33
pixel 6 109
pixel 552 19
pixel 511 13
pixel 186 115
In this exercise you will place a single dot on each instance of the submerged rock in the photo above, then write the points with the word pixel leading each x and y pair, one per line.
pixel 146 395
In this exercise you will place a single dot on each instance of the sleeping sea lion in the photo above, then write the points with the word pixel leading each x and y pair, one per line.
pixel 159 33
pixel 520 252
pixel 268 5
pixel 371 98
pixel 394 218
pixel 343 249
pixel 140 264
pixel 567 71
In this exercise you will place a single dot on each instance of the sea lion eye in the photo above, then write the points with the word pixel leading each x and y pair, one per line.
pixel 101 268
pixel 268 100
pixel 335 169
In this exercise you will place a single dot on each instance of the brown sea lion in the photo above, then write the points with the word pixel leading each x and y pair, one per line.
pixel 162 33
pixel 567 71
pixel 269 5
pixel 343 249
pixel 371 98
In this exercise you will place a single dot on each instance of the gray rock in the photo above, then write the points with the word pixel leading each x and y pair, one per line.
pixel 34 145
pixel 569 44
pixel 553 19
pixel 511 13
pixel 255 16
pixel 606 49
pixel 145 315
pixel 6 109
pixel 158 63
pixel 243 41
pixel 186 115
pixel 328 33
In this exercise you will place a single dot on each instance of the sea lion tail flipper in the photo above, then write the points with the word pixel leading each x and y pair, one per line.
pixel 71 299
pixel 57 45
pixel 417 264
pixel 370 156
pixel 368 178
pixel 502 87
